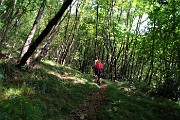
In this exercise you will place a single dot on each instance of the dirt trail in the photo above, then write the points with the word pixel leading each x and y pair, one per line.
pixel 88 110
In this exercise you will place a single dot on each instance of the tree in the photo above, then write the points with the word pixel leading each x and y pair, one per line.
pixel 33 30
pixel 44 33
pixel 9 14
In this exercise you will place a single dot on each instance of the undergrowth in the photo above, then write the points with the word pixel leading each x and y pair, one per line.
pixel 50 92
pixel 133 104
pixel 53 91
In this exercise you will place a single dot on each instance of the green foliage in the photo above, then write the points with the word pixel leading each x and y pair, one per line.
pixel 1 77
pixel 127 51
pixel 53 91
pixel 21 108
pixel 7 70
pixel 50 92
pixel 135 105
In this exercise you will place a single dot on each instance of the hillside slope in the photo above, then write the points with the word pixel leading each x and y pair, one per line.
pixel 50 92
pixel 61 93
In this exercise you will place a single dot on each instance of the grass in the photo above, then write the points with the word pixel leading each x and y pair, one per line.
pixel 53 91
pixel 50 92
pixel 136 105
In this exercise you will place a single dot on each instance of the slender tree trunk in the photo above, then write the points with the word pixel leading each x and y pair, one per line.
pixel 133 70
pixel 69 44
pixel 61 47
pixel 44 33
pixel 44 50
pixel 33 30
pixel 1 2
pixel 141 73
pixel 112 42
pixel 45 47
pixel 116 57
pixel 152 56
pixel 96 38
pixel 70 39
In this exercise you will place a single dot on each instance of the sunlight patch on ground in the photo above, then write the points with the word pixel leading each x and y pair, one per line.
pixel 67 76
pixel 56 64
pixel 127 88
pixel 50 63
pixel 12 93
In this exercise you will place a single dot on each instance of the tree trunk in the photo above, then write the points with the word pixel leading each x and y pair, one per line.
pixel 71 36
pixel 44 33
pixel 33 30
pixel 45 47
pixel 61 47
pixel 152 55
pixel 1 1
pixel 96 39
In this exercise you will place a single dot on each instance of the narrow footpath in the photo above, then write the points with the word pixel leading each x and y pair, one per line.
pixel 88 110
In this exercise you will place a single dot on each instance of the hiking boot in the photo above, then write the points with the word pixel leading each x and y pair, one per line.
pixel 99 83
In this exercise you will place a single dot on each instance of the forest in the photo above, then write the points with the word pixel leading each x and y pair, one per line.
pixel 48 48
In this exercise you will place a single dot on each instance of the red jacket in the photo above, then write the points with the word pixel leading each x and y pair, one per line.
pixel 98 66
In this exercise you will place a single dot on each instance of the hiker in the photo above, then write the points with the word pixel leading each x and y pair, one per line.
pixel 98 67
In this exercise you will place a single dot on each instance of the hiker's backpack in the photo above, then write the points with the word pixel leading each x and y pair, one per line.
pixel 98 66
